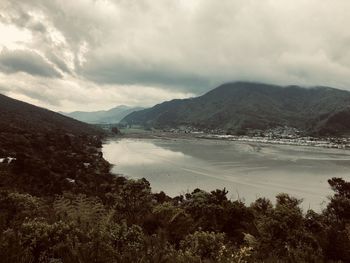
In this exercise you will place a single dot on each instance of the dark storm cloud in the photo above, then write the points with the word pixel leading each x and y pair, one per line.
pixel 26 61
pixel 124 73
pixel 183 47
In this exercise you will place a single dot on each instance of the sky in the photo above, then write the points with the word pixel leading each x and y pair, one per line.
pixel 96 54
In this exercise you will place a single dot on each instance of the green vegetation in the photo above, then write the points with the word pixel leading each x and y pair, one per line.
pixel 60 203
pixel 240 106
pixel 130 224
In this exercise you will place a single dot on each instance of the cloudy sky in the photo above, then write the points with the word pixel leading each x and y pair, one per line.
pixel 96 54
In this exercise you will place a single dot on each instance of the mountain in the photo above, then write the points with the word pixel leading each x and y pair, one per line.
pixel 244 105
pixel 21 117
pixel 45 153
pixel 110 116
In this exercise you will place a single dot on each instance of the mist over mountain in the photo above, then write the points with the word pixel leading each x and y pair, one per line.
pixel 244 105
pixel 113 115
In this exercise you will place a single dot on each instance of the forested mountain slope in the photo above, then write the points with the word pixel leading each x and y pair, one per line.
pixel 244 105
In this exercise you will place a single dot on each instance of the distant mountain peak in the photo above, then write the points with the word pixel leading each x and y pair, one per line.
pixel 251 105
pixel 113 115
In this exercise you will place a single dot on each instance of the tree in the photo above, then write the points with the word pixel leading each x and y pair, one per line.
pixel 338 220
pixel 282 232
pixel 16 208
pixel 134 201
pixel 172 221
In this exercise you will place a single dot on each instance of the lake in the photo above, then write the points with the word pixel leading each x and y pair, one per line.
pixel 246 170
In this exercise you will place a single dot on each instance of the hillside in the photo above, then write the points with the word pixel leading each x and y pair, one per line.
pixel 18 116
pixel 45 148
pixel 59 202
pixel 244 105
pixel 99 117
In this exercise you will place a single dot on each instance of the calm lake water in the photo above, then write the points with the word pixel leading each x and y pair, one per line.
pixel 246 170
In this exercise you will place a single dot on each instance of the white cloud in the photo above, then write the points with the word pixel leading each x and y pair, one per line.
pixel 70 93
pixel 113 51
pixel 13 37
pixel 12 61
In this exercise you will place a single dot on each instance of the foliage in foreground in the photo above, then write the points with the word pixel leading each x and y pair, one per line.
pixel 59 203
pixel 135 225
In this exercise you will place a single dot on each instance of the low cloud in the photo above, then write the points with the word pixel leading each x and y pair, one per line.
pixel 70 93
pixel 26 61
pixel 173 48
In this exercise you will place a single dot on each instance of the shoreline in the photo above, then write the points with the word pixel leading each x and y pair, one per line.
pixel 302 141
pixel 256 167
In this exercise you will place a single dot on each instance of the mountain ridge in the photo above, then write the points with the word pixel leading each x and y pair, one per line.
pixel 21 116
pixel 113 115
pixel 248 105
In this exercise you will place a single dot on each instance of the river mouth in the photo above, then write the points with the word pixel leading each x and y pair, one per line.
pixel 246 170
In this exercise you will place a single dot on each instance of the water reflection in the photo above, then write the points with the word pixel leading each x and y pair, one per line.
pixel 135 153
pixel 247 170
